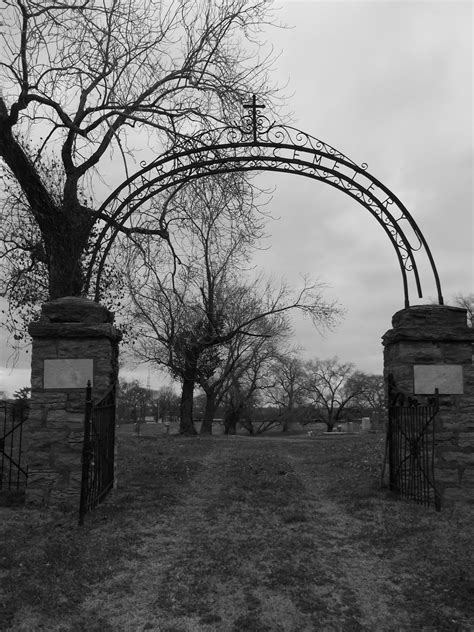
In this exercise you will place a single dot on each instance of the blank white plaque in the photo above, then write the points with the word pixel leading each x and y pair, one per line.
pixel 447 378
pixel 68 373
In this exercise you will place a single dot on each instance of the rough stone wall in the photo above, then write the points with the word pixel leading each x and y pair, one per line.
pixel 56 420
pixel 433 334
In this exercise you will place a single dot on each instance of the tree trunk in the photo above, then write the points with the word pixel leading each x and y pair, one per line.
pixel 287 419
pixel 288 413
pixel 65 243
pixel 248 425
pixel 230 422
pixel 232 418
pixel 65 271
pixel 330 423
pixel 186 425
pixel 209 413
pixel 64 226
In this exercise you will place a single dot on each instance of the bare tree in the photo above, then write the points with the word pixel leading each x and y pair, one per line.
pixel 371 394
pixel 246 385
pixel 182 310
pixel 331 385
pixel 132 401
pixel 189 314
pixel 167 404
pixel 244 359
pixel 177 329
pixel 287 391
pixel 86 87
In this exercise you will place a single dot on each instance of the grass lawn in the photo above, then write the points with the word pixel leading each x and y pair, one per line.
pixel 262 534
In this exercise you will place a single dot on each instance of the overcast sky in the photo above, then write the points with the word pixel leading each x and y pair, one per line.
pixel 390 84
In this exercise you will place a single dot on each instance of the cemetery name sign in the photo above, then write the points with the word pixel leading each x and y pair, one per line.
pixel 68 373
pixel 447 378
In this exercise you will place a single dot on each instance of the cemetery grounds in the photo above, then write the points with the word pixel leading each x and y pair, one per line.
pixel 261 534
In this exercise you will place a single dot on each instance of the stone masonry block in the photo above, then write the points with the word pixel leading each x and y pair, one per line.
pixel 54 416
pixel 456 495
pixel 466 440
pixel 430 316
pixel 463 459
pixel 73 309
pixel 70 328
pixel 36 381
pixel 47 475
pixel 444 482
pixel 456 353
pixel 44 347
pixel 467 479
pixel 43 440
pixel 38 459
pixel 76 402
pixel 76 440
pixel 65 417
pixel 53 398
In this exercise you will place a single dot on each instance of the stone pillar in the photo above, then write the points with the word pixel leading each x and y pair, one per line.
pixel 73 341
pixel 432 346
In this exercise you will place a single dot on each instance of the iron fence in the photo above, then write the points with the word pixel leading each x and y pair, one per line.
pixel 98 451
pixel 411 449
pixel 13 465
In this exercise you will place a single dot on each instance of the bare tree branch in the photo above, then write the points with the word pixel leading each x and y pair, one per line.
pixel 83 79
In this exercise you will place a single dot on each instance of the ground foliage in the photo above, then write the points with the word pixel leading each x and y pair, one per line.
pixel 240 533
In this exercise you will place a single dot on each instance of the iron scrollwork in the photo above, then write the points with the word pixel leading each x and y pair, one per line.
pixel 256 144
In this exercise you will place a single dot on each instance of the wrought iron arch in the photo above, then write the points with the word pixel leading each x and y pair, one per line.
pixel 258 145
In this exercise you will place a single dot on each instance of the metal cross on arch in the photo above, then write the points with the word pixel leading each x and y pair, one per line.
pixel 254 107
pixel 256 144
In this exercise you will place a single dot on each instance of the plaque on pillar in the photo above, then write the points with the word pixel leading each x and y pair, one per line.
pixel 68 373
pixel 447 378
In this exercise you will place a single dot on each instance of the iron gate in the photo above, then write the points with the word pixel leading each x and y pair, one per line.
pixel 411 447
pixel 13 467
pixel 98 451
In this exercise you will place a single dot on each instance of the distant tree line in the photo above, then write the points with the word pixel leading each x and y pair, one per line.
pixel 137 404
pixel 277 391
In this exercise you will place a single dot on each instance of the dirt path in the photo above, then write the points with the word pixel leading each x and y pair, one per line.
pixel 358 573
pixel 257 544
pixel 244 535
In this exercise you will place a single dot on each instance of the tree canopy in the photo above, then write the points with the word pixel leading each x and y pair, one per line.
pixel 91 88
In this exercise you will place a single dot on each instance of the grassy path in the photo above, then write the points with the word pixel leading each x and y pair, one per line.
pixel 358 575
pixel 237 535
